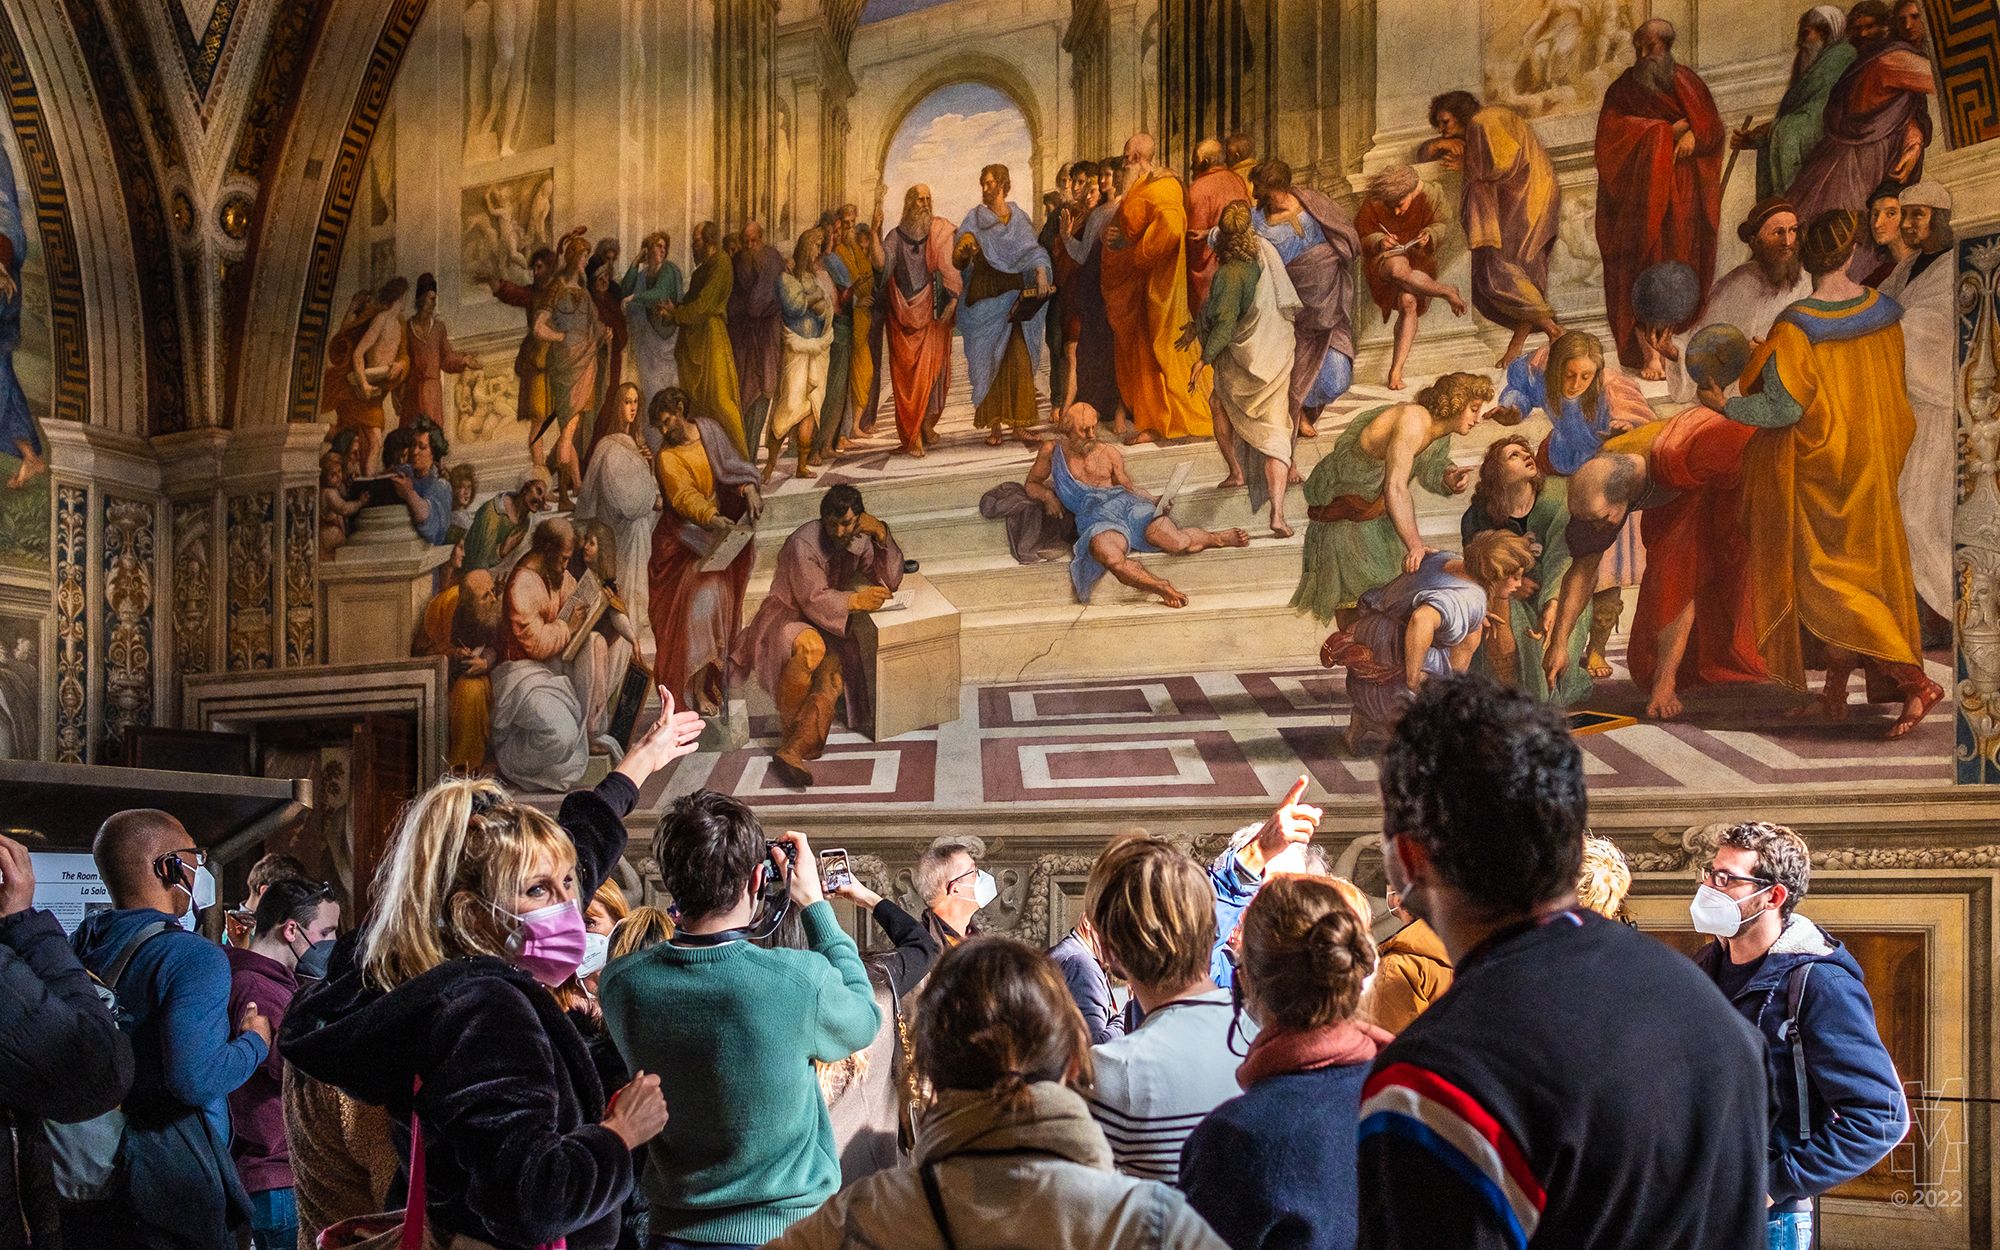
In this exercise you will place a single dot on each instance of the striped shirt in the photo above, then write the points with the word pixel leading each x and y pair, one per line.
pixel 1157 1083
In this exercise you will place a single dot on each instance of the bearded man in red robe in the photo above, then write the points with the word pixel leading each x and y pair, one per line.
pixel 1659 185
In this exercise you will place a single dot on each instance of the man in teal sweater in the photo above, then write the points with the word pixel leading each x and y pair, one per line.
pixel 734 1029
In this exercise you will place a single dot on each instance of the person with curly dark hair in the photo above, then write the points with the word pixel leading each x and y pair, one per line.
pixel 1480 1124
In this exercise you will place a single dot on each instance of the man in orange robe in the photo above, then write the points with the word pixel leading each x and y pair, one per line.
pixel 1829 560
pixel 1146 295
pixel 923 303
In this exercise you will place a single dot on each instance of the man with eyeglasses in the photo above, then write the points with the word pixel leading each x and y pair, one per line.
pixel 1837 1106
pixel 954 887
pixel 293 916
pixel 179 1185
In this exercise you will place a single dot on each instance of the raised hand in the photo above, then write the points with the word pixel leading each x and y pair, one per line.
pixel 675 734
pixel 17 878
pixel 1293 823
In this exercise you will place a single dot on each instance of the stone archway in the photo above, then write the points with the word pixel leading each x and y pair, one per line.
pixel 898 63
pixel 948 134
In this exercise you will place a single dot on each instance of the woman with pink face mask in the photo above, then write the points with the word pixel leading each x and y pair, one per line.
pixel 440 1009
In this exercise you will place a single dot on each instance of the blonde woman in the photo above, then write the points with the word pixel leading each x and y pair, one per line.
pixel 440 1008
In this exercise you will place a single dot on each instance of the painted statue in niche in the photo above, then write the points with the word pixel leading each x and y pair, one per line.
pixel 508 75
pixel 20 686
pixel 1619 346
pixel 1556 56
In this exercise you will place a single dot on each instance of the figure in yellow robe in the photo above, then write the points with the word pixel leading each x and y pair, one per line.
pixel 861 255
pixel 458 624
pixel 1146 297
pixel 1829 561
pixel 707 366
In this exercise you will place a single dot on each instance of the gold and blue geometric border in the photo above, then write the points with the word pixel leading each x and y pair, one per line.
pixel 343 186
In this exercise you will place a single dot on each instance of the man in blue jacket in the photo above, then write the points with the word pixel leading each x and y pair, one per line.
pixel 1841 1111
pixel 180 1187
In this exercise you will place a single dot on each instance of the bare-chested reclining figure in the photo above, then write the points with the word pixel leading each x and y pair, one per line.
pixel 1114 518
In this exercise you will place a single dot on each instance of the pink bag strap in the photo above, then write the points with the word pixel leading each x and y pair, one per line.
pixel 414 1205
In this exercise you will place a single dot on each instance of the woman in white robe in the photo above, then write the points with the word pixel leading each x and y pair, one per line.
pixel 806 300
pixel 620 489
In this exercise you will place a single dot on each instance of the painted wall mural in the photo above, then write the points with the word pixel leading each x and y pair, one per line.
pixel 1532 351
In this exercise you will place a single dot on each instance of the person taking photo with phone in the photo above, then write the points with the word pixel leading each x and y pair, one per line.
pixel 750 1147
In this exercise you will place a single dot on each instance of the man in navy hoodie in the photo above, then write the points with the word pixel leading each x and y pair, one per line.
pixel 1772 963
pixel 181 1191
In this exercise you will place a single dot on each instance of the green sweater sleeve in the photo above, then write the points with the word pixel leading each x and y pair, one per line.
pixel 846 1018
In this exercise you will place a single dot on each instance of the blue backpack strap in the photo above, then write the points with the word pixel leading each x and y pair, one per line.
pixel 114 972
pixel 1795 996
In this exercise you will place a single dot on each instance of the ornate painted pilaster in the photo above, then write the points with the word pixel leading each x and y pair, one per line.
pixel 193 589
pixel 72 527
pixel 1976 530
pixel 128 543
pixel 249 559
pixel 301 575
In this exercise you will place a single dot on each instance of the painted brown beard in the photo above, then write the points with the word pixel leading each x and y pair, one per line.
pixel 1805 59
pixel 917 224
pixel 1780 266
pixel 1656 73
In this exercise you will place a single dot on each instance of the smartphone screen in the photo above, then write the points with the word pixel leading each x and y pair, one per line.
pixel 833 870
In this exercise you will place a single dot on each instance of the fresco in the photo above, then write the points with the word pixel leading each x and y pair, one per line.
pixel 1569 464
pixel 24 375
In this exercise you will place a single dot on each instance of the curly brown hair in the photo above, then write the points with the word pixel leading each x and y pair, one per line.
pixel 1452 393
pixel 1237 240
pixel 1486 494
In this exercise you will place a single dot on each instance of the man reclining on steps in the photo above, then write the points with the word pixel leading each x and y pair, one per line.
pixel 1114 518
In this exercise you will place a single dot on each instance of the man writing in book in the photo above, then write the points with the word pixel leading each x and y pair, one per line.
pixel 798 646
pixel 538 741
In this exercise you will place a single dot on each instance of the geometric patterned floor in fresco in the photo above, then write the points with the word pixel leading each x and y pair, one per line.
pixel 1238 736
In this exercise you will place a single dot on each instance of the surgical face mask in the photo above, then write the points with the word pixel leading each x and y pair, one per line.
pixel 1717 914
pixel 596 953
pixel 984 888
pixel 547 943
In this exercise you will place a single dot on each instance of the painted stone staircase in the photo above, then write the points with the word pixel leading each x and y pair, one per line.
pixel 1022 622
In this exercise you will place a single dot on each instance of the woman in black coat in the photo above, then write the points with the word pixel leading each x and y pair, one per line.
pixel 62 1057
pixel 442 1008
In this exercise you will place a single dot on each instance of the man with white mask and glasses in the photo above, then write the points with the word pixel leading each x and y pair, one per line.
pixel 954 887
pixel 1837 1106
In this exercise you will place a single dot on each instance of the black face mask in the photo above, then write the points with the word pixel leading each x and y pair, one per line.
pixel 312 961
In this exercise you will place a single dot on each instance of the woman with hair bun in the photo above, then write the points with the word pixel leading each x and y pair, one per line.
pixel 1276 1166
pixel 1007 1154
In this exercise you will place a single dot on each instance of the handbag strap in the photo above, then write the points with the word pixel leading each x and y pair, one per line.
pixel 414 1204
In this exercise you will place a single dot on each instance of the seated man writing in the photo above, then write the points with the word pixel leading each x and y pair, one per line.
pixel 797 646
pixel 1692 626
pixel 1114 518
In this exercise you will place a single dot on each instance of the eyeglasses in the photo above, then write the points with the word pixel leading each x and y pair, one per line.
pixel 970 872
pixel 192 856
pixel 1723 880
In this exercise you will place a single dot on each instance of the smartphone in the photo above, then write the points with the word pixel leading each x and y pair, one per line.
pixel 833 870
